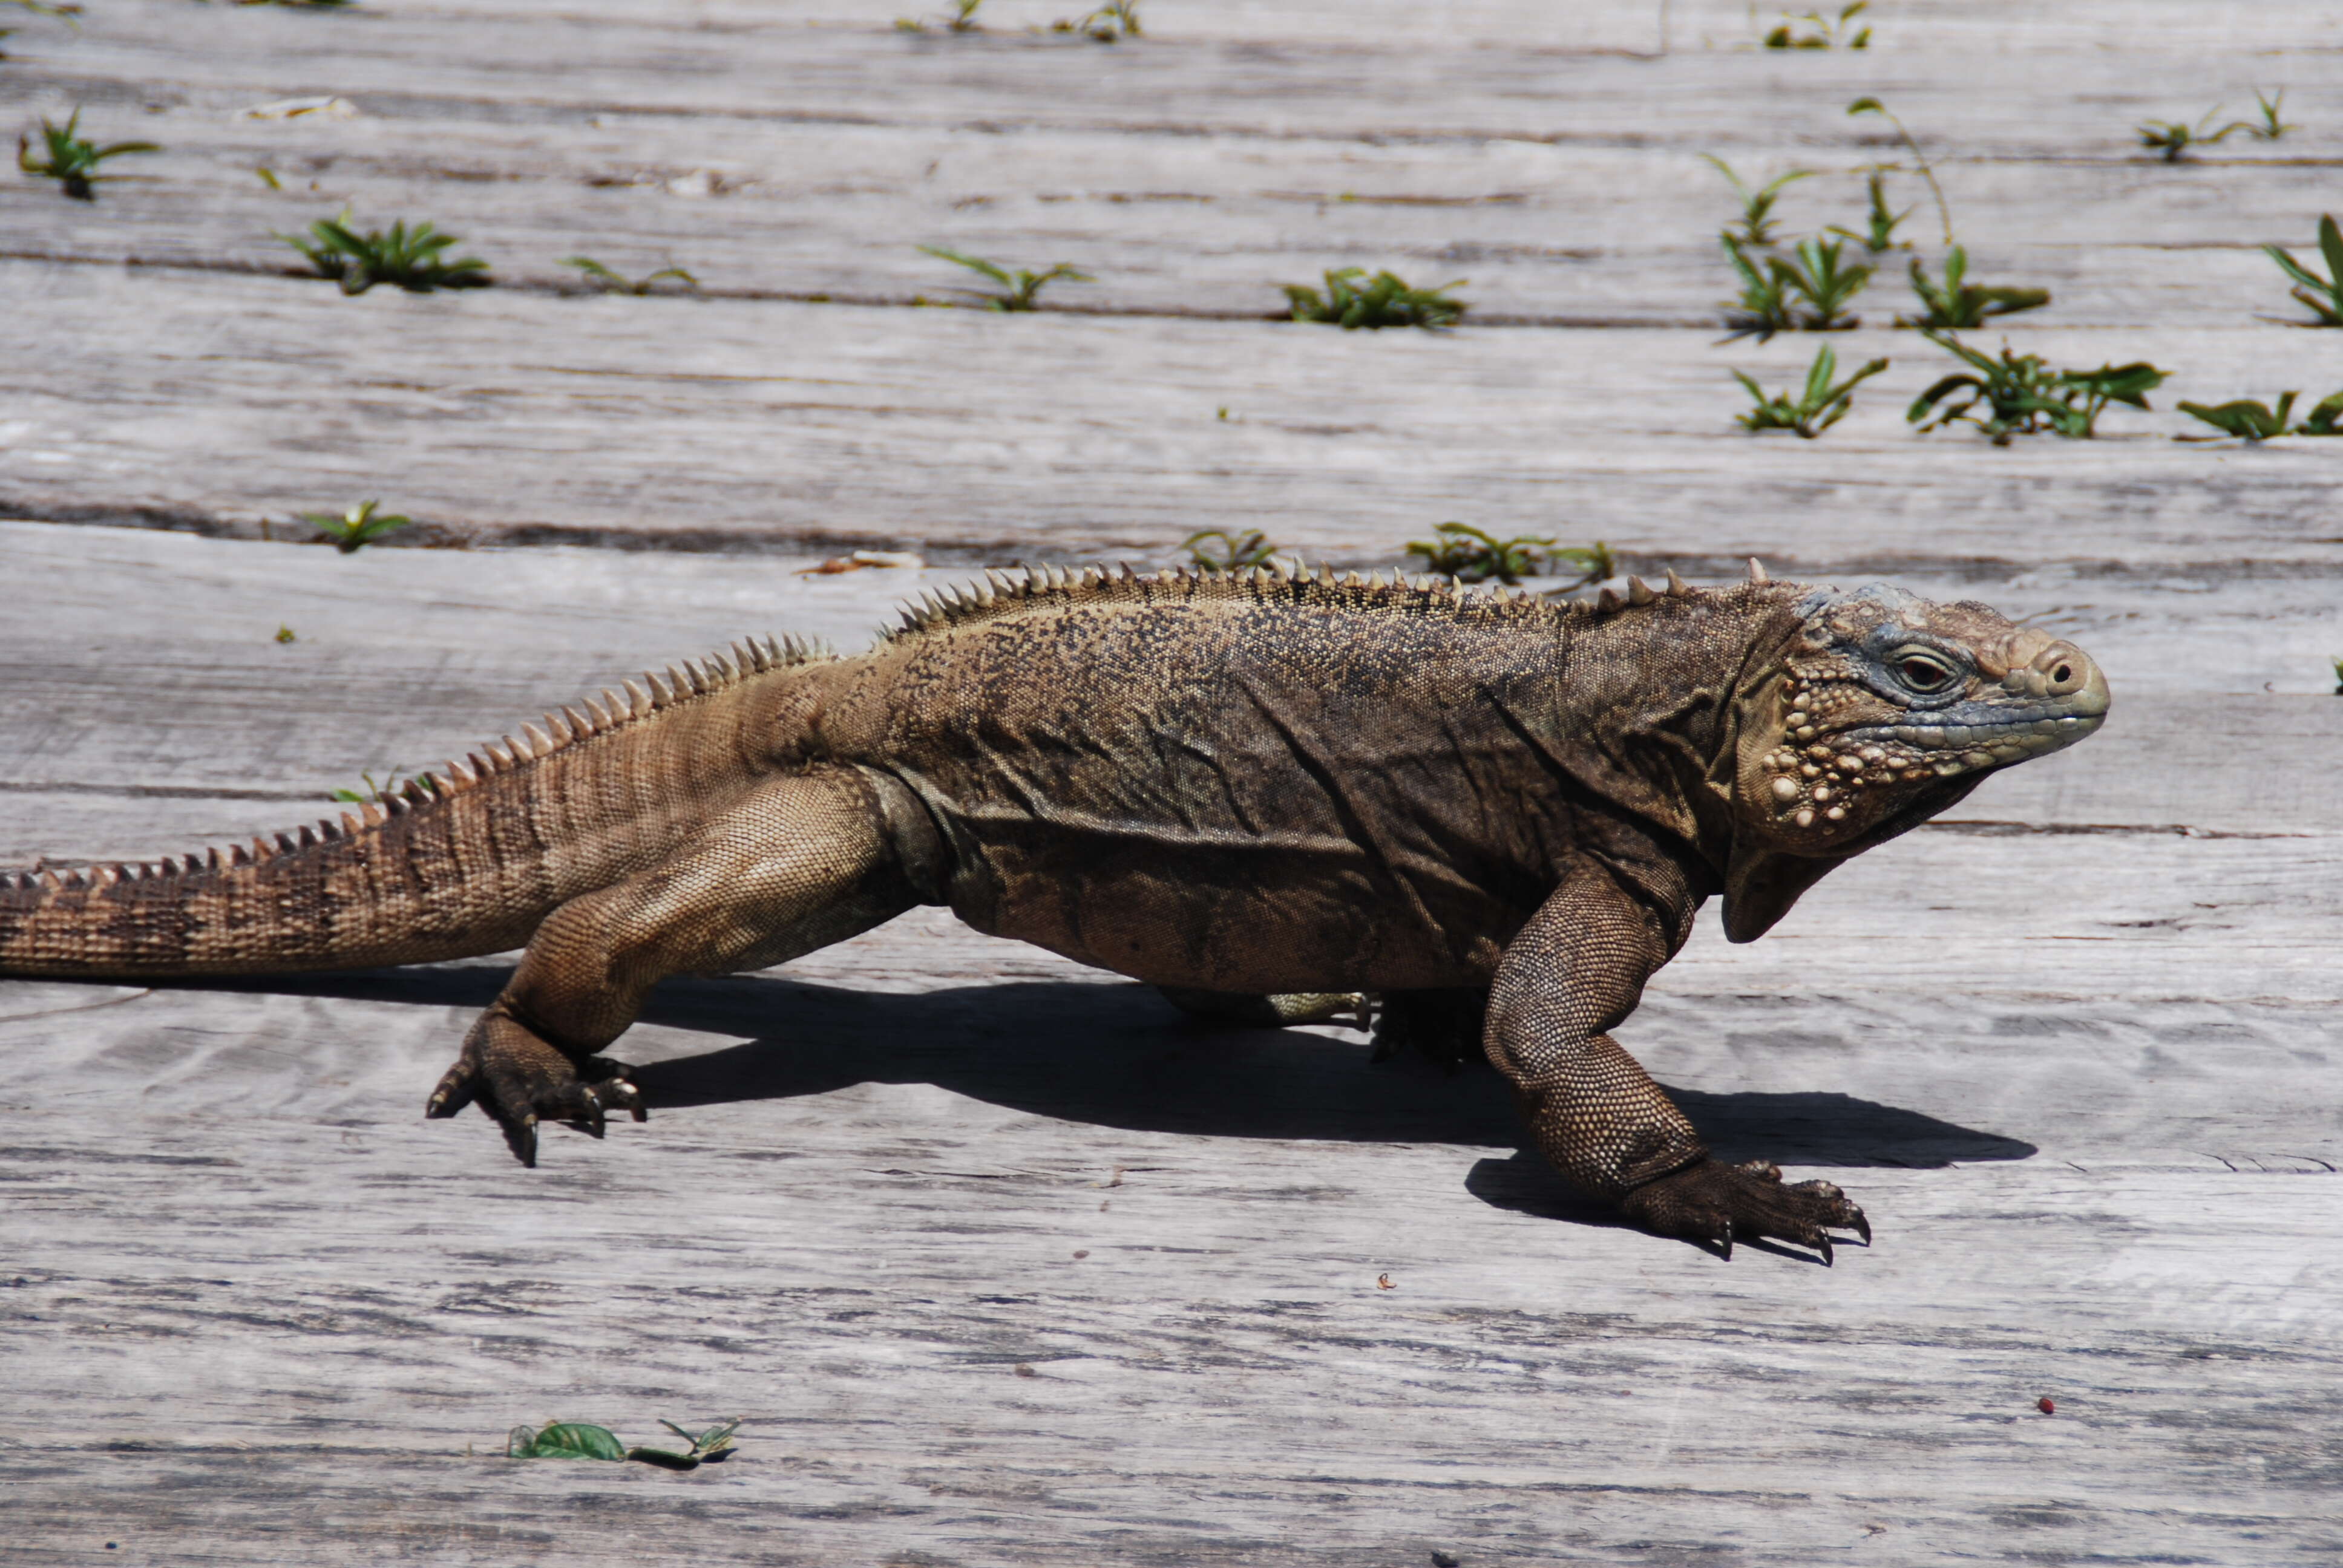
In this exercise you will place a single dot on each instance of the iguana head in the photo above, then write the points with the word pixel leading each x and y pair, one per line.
pixel 1884 710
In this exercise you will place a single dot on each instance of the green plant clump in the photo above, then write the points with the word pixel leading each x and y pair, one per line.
pixel 1236 553
pixel 2019 394
pixel 71 161
pixel 619 283
pixel 1466 553
pixel 1593 563
pixel 1756 206
pixel 2173 139
pixel 409 258
pixel 961 20
pixel 2256 421
pixel 1957 303
pixel 1020 289
pixel 1879 223
pixel 1817 275
pixel 395 785
pixel 2323 294
pixel 355 528
pixel 1817 407
pixel 1382 301
pixel 1111 23
pixel 1829 32
pixel 583 1439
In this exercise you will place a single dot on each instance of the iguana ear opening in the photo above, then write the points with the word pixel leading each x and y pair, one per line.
pixel 1761 885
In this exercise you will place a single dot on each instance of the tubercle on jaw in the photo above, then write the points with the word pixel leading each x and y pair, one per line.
pixel 1812 781
pixel 1816 779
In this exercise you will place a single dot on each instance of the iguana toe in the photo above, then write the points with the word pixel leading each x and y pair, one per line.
pixel 519 1078
pixel 1714 1201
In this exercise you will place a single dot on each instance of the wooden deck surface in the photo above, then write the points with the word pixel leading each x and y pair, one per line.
pixel 1004 1262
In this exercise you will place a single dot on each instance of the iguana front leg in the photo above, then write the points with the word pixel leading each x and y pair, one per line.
pixel 811 859
pixel 1574 971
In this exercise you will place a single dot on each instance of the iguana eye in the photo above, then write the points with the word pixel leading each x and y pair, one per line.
pixel 1923 672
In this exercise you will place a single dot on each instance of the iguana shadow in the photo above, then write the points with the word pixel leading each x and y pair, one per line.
pixel 1115 1054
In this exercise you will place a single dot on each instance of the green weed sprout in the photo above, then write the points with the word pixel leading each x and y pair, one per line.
pixel 356 528
pixel 1830 33
pixel 69 160
pixel 1466 553
pixel 1237 552
pixel 1869 106
pixel 2173 139
pixel 395 785
pixel 1383 301
pixel 1593 563
pixel 1115 20
pixel 1764 307
pixel 962 20
pixel 1022 287
pixel 617 282
pixel 1817 408
pixel 2272 127
pixel 1879 223
pixel 1816 274
pixel 409 258
pixel 2323 294
pixel 1756 206
pixel 2019 394
pixel 2337 663
pixel 1825 284
pixel 583 1439
pixel 2254 421
pixel 1957 303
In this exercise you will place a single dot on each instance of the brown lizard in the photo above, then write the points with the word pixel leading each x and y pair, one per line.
pixel 1493 811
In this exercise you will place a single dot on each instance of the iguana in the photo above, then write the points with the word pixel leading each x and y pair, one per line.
pixel 1484 807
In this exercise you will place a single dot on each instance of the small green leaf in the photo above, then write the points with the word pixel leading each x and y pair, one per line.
pixel 565 1440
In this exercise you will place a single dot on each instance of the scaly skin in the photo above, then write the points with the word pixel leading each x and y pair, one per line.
pixel 1479 806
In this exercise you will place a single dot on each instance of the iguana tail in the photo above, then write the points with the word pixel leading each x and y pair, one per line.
pixel 462 861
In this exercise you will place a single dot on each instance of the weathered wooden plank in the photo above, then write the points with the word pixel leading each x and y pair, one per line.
pixel 971 144
pixel 520 417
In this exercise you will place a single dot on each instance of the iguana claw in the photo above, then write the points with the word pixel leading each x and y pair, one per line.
pixel 1712 1202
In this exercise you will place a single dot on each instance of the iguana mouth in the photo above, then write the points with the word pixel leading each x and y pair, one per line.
pixel 2031 734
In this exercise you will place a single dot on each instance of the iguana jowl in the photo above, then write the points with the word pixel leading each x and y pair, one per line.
pixel 1244 785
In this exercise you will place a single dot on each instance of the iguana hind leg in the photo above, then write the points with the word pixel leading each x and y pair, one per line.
pixel 811 859
pixel 1573 972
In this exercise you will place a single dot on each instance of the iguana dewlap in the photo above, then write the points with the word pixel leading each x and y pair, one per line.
pixel 1236 785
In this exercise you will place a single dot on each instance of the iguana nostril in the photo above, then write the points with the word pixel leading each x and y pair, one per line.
pixel 2063 674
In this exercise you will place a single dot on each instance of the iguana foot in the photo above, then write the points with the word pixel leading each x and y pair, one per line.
pixel 1714 1201
pixel 1273 1012
pixel 519 1078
